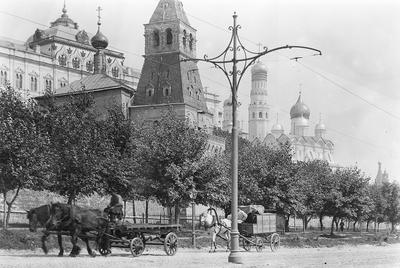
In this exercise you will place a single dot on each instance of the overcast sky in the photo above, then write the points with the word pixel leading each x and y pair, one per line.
pixel 360 42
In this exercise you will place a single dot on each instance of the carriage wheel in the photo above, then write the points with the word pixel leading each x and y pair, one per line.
pixel 136 246
pixel 246 244
pixel 275 242
pixel 171 244
pixel 259 244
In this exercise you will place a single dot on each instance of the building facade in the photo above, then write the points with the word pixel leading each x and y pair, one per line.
pixel 54 57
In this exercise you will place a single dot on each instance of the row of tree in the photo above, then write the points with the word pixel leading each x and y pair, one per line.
pixel 71 149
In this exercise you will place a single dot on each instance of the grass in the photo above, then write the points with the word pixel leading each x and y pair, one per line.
pixel 23 239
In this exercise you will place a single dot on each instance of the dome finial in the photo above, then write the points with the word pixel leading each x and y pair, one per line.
pixel 277 118
pixel 99 16
pixel 64 10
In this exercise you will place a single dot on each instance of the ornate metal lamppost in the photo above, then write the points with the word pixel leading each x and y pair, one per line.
pixel 234 75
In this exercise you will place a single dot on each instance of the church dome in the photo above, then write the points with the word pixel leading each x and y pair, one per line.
pixel 277 127
pixel 228 101
pixel 320 126
pixel 259 71
pixel 300 109
pixel 99 41
pixel 64 20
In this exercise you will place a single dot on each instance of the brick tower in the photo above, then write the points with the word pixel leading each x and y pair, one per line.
pixel 165 80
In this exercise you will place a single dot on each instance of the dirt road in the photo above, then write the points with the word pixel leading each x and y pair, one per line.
pixel 361 256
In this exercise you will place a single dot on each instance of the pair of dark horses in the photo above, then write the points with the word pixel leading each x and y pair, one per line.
pixel 69 219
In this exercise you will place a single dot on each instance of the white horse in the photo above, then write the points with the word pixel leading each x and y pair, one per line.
pixel 209 220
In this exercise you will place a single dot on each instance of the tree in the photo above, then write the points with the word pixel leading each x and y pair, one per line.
pixel 169 151
pixel 24 162
pixel 80 146
pixel 313 183
pixel 391 195
pixel 348 195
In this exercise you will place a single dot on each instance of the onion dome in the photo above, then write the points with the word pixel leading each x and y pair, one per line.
pixel 64 20
pixel 320 126
pixel 259 71
pixel 99 41
pixel 300 109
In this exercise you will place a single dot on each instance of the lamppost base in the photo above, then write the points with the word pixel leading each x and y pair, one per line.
pixel 234 257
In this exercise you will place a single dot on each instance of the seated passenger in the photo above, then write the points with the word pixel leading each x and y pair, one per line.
pixel 115 208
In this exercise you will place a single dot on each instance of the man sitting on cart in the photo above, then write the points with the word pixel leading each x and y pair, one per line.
pixel 241 216
pixel 115 208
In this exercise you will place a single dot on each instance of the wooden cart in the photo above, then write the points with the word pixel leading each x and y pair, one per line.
pixel 252 234
pixel 137 236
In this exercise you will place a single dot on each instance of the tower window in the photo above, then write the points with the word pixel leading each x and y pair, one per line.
pixel 167 91
pixel 184 38
pixel 33 84
pixel 169 36
pixel 254 115
pixel 75 63
pixel 266 115
pixel 260 115
pixel 190 41
pixel 156 38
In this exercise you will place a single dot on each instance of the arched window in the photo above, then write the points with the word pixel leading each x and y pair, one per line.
pixel 260 115
pixel 18 81
pixel 3 77
pixel 184 38
pixel 62 60
pixel 190 41
pixel 254 115
pixel 115 71
pixel 48 85
pixel 156 38
pixel 169 36
pixel 76 63
pixel 167 91
pixel 33 84
pixel 63 83
pixel 89 66
pixel 149 90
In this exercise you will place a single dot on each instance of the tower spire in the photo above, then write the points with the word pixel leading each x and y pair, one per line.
pixel 64 10
pixel 99 9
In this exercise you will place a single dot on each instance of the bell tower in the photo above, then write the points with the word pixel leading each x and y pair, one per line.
pixel 165 79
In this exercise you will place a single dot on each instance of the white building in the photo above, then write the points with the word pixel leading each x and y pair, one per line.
pixel 54 57
pixel 306 146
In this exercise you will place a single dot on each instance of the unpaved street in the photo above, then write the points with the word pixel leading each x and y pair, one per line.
pixel 361 256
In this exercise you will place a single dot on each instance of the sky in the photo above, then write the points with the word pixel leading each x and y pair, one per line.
pixel 353 86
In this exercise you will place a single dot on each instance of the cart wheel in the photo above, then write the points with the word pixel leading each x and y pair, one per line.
pixel 275 241
pixel 259 244
pixel 104 251
pixel 171 244
pixel 246 244
pixel 136 246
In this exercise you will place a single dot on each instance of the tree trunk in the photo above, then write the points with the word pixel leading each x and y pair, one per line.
pixel 71 198
pixel 4 210
pixel 332 224
pixel 177 213
pixel 304 223
pixel 9 204
pixel 320 222
pixel 133 211
pixel 368 221
pixel 170 215
pixel 124 209
pixel 147 211
pixel 393 224
pixel 354 226
pixel 337 225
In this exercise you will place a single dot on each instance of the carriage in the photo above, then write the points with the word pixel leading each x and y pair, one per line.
pixel 264 225
pixel 137 236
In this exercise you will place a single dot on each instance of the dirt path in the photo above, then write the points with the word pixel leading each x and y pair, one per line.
pixel 361 256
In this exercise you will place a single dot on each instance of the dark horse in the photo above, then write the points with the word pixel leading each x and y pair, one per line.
pixel 40 216
pixel 79 221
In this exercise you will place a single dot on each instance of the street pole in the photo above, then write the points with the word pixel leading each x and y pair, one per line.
pixel 234 77
pixel 193 225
